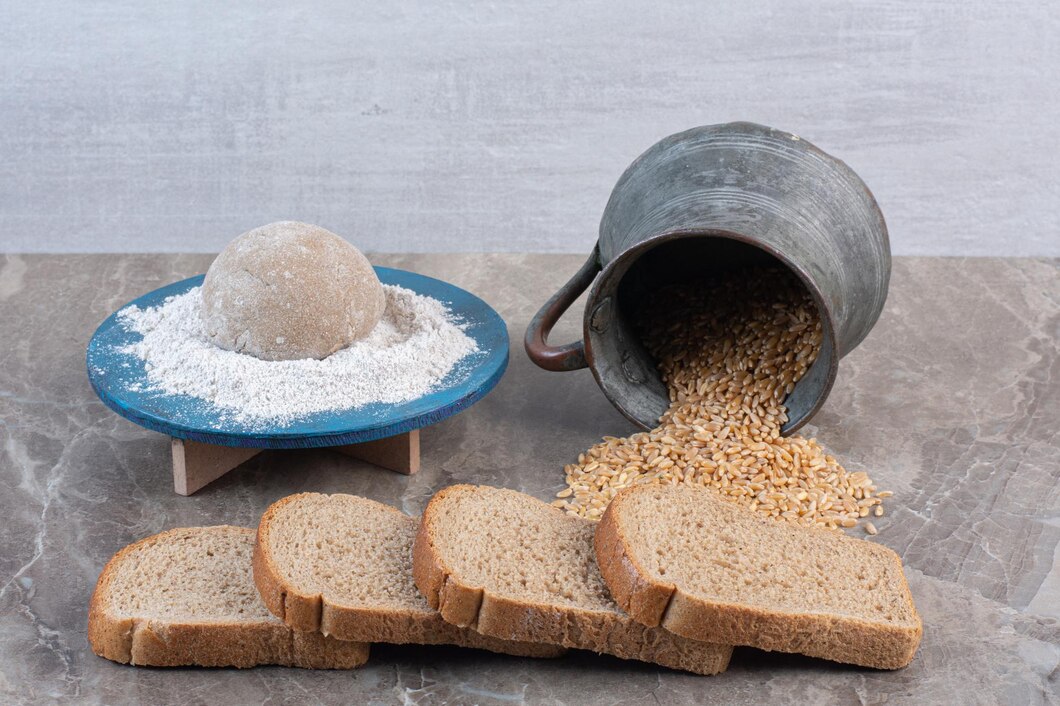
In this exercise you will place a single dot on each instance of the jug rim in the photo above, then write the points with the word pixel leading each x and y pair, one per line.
pixel 829 346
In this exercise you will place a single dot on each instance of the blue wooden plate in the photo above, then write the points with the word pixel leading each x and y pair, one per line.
pixel 121 381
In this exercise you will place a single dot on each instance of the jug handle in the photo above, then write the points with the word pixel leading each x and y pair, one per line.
pixel 572 355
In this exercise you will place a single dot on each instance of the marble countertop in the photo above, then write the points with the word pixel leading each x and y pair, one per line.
pixel 952 402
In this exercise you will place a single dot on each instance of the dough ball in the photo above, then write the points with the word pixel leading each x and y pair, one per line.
pixel 290 290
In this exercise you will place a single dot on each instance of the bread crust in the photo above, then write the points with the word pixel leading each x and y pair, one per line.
pixel 159 643
pixel 316 613
pixel 835 637
pixel 499 616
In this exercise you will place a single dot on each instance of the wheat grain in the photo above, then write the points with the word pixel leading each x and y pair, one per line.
pixel 730 351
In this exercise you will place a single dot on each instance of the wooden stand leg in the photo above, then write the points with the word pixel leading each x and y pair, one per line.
pixel 196 465
pixel 399 453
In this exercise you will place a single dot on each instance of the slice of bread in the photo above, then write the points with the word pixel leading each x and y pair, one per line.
pixel 342 565
pixel 705 568
pixel 511 566
pixel 185 597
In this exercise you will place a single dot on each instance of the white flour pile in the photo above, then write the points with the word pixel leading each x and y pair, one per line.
pixel 409 352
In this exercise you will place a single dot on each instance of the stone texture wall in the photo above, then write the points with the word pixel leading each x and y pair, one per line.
pixel 483 126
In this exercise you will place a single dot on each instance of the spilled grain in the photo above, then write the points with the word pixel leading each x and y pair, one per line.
pixel 730 351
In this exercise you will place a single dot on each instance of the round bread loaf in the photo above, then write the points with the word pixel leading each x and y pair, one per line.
pixel 290 290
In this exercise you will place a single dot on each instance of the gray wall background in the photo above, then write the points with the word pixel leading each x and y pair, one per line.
pixel 464 125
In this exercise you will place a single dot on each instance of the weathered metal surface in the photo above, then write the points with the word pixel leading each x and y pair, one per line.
pixel 713 198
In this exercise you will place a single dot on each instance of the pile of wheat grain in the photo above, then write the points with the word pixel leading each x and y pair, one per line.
pixel 730 350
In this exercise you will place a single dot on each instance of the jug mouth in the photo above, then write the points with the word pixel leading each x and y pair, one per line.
pixel 624 369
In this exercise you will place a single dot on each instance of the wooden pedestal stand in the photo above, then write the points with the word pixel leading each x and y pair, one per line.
pixel 124 385
pixel 196 465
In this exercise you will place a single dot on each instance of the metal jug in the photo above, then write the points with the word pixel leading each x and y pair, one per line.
pixel 709 199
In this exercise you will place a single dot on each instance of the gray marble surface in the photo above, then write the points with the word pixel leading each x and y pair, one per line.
pixel 953 402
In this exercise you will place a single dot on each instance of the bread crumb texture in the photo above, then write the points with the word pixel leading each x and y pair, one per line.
pixel 733 575
pixel 186 597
